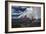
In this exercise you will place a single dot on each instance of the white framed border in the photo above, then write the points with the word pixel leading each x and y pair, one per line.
pixel 23 29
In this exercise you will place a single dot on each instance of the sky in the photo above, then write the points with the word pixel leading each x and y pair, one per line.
pixel 21 11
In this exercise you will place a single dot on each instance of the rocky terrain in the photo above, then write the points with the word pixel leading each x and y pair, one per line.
pixel 25 22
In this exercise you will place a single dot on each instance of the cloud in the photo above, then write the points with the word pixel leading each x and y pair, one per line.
pixel 29 12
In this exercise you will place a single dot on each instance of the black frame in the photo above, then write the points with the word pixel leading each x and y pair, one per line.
pixel 6 16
